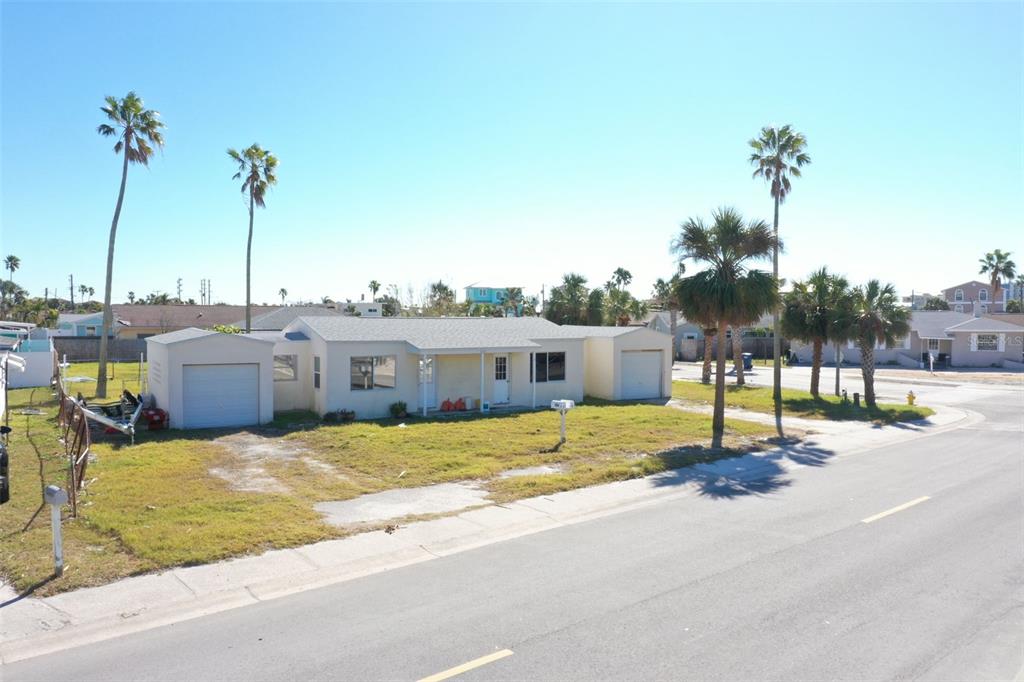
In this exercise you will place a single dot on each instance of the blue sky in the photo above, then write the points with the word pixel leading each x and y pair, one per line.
pixel 506 143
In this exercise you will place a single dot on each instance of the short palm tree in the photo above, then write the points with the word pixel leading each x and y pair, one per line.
pixel 283 293
pixel 998 266
pixel 877 317
pixel 778 155
pixel 728 290
pixel 374 288
pixel 11 263
pixel 810 313
pixel 138 131
pixel 513 302
pixel 257 169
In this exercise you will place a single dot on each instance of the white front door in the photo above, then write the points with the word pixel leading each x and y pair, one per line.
pixel 500 379
pixel 428 381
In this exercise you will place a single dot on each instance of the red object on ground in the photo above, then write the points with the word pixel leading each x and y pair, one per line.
pixel 156 419
pixel 460 404
pixel 447 406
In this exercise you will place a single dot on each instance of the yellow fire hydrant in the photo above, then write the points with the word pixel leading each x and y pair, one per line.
pixel 911 398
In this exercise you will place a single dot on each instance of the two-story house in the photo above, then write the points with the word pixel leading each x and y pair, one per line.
pixel 484 295
pixel 976 298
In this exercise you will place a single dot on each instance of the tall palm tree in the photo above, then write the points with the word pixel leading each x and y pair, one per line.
pixel 998 266
pixel 728 290
pixel 84 291
pixel 374 288
pixel 778 155
pixel 11 263
pixel 131 297
pixel 283 293
pixel 138 131
pixel 810 313
pixel 622 277
pixel 257 169
pixel 877 317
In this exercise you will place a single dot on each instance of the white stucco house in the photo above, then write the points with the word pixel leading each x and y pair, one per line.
pixel 366 364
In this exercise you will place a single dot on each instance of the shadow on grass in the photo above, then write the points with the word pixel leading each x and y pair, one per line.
pixel 840 411
pixel 730 474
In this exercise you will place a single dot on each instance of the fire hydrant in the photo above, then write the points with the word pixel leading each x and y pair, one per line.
pixel 911 398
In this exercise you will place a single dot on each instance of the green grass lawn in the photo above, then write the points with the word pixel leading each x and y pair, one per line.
pixel 797 403
pixel 158 504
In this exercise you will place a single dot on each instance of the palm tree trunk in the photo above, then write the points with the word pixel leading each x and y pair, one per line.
pixel 108 314
pixel 776 332
pixel 867 370
pixel 737 354
pixel 248 269
pixel 705 372
pixel 838 363
pixel 815 366
pixel 718 417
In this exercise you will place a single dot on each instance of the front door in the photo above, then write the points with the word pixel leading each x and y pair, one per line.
pixel 500 379
pixel 428 381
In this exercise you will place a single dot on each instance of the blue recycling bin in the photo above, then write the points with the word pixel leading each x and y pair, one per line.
pixel 748 361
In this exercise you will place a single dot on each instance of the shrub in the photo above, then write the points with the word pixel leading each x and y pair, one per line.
pixel 339 417
pixel 399 410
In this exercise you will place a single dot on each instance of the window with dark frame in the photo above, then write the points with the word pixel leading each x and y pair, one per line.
pixel 988 342
pixel 372 371
pixel 548 367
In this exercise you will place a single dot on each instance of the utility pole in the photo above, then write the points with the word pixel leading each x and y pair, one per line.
pixel 71 285
pixel 202 291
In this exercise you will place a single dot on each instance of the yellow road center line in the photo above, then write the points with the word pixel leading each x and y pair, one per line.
pixel 466 667
pixel 900 508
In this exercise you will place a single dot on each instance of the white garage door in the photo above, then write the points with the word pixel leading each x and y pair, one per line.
pixel 641 374
pixel 221 395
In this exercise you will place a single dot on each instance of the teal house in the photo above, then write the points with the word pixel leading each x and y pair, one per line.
pixel 82 324
pixel 491 295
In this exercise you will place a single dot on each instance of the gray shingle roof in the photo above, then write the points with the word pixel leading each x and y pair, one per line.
pixel 932 324
pixel 282 317
pixel 445 333
pixel 601 331
pixel 984 324
pixel 191 333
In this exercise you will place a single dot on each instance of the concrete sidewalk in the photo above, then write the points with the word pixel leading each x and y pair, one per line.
pixel 34 626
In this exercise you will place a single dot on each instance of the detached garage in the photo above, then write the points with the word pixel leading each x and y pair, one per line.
pixel 206 379
pixel 627 363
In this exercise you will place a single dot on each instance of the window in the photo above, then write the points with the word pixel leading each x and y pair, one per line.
pixel 372 371
pixel 286 367
pixel 958 295
pixel 933 344
pixel 316 371
pixel 426 370
pixel 501 368
pixel 548 367
pixel 90 331
pixel 988 342
pixel 982 294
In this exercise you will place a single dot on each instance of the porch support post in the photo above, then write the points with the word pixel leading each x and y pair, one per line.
pixel 481 381
pixel 423 384
pixel 533 381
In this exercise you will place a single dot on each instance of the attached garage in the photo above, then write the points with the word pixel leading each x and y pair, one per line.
pixel 627 363
pixel 205 379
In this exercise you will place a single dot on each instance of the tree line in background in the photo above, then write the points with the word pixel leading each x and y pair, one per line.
pixel 611 304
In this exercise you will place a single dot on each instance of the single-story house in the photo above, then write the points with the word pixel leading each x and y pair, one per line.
pixel 330 363
pixel 83 324
pixel 954 339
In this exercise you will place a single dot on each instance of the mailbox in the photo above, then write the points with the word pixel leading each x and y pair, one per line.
pixel 562 405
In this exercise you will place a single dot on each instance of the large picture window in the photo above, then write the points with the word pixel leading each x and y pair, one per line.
pixel 988 342
pixel 286 367
pixel 548 367
pixel 373 371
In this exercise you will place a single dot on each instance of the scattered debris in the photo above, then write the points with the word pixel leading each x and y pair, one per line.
pixel 391 528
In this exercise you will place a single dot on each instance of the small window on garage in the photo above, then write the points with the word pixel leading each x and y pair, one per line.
pixel 316 371
pixel 286 367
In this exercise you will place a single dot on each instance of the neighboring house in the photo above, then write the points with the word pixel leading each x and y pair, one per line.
pixel 916 301
pixel 976 298
pixel 143 321
pixel 662 322
pixel 481 295
pixel 331 363
pixel 279 318
pixel 367 308
pixel 83 324
pixel 954 339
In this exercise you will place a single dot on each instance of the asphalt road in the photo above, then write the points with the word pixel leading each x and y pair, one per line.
pixel 780 578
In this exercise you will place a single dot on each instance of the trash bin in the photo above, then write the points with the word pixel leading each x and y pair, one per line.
pixel 748 361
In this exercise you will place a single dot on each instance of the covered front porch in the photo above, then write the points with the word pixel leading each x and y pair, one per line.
pixel 482 381
pixel 939 350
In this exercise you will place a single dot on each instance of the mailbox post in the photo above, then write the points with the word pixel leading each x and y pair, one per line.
pixel 562 406
pixel 56 497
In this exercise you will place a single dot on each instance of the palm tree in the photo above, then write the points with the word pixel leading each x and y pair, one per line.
pixel 91 291
pixel 131 297
pixel 810 313
pixel 1019 282
pixel 374 288
pixel 12 263
pixel 283 293
pixel 84 291
pixel 256 169
pixel 877 317
pixel 513 301
pixel 568 303
pixel 137 130
pixel 622 277
pixel 998 266
pixel 778 155
pixel 728 290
